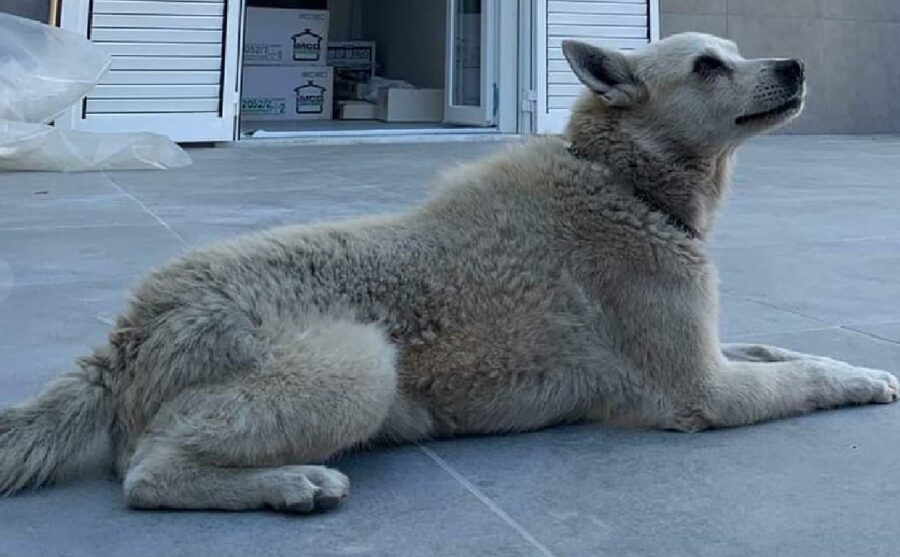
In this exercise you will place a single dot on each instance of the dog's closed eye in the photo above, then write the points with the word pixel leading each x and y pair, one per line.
pixel 710 66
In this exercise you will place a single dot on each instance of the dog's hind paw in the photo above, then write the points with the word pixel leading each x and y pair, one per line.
pixel 307 489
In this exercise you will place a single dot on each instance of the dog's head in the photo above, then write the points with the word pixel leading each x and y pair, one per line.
pixel 692 89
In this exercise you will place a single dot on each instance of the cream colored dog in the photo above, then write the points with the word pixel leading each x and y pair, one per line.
pixel 561 281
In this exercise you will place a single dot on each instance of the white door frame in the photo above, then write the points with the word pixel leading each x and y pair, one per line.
pixel 509 40
pixel 508 56
pixel 483 114
pixel 511 45
pixel 526 50
pixel 544 120
pixel 508 51
pixel 186 127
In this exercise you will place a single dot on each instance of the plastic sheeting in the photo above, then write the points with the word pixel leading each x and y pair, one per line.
pixel 44 70
pixel 370 89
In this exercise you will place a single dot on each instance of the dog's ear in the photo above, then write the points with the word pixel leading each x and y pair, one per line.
pixel 605 71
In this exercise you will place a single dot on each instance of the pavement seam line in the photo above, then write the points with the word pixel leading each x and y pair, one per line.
pixel 71 227
pixel 496 509
pixel 889 237
pixel 851 329
pixel 742 338
pixel 147 210
pixel 770 305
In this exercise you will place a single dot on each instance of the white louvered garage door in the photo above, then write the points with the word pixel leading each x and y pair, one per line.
pixel 625 24
pixel 173 68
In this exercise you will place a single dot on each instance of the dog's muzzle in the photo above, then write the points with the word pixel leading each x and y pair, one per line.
pixel 783 95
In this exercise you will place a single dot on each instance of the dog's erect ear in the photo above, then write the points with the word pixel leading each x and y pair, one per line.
pixel 604 71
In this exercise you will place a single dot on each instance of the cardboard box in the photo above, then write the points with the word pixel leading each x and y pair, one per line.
pixel 287 93
pixel 410 105
pixel 355 110
pixel 353 63
pixel 277 37
pixel 351 54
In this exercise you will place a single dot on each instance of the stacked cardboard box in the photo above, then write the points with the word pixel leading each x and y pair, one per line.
pixel 286 76
pixel 292 72
pixel 353 63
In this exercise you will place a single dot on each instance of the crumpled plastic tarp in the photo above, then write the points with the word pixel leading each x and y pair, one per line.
pixel 44 70
pixel 370 88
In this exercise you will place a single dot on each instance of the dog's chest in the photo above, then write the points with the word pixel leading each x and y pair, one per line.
pixel 512 364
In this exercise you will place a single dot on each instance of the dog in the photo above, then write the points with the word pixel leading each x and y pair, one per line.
pixel 565 280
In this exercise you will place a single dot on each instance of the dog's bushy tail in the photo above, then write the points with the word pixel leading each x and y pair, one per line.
pixel 51 434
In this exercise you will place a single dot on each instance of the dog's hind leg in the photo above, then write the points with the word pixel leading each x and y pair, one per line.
pixel 250 443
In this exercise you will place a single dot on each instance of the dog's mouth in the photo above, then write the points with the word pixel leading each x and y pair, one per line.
pixel 790 106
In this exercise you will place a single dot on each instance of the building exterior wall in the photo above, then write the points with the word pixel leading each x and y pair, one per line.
pixel 850 47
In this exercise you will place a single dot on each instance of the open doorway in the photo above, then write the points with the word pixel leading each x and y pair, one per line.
pixel 316 67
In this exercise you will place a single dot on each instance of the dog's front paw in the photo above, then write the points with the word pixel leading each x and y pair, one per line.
pixel 889 388
pixel 869 386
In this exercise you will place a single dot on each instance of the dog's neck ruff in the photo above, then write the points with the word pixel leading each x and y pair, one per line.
pixel 672 219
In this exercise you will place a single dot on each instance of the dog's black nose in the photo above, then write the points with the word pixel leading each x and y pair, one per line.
pixel 790 71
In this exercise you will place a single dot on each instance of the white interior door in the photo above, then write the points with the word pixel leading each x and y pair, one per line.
pixel 174 69
pixel 622 24
pixel 470 86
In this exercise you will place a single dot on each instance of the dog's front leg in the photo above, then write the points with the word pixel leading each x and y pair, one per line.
pixel 741 392
pixel 740 352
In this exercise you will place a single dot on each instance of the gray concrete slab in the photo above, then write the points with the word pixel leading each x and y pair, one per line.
pixel 403 504
pixel 809 251
pixel 46 326
pixel 74 254
pixel 801 487
pixel 742 316
pixel 852 282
